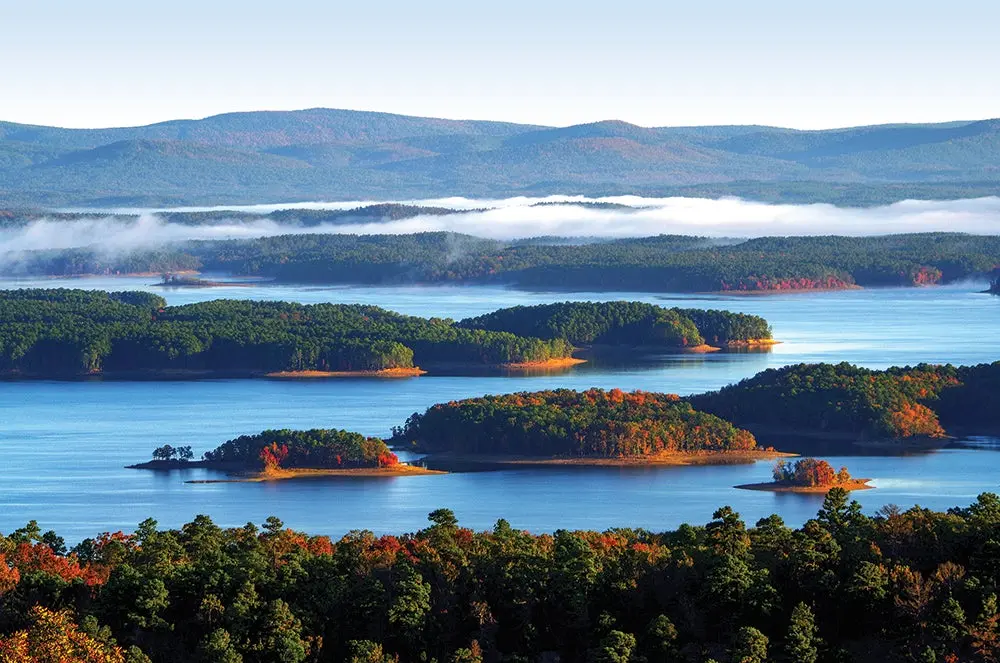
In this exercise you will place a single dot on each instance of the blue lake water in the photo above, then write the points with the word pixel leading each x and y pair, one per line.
pixel 64 444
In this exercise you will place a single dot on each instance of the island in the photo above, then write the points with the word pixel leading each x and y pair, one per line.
pixel 289 454
pixel 63 333
pixel 49 333
pixel 187 281
pixel 809 475
pixel 601 327
pixel 565 427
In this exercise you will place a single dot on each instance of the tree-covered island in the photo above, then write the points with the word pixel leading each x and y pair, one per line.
pixel 287 454
pixel 580 427
pixel 65 333
pixel 628 324
pixel 809 475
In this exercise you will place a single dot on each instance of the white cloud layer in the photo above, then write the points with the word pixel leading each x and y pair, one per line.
pixel 522 217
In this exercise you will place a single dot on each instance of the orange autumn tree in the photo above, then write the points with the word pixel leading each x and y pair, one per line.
pixel 54 638
pixel 9 575
pixel 809 472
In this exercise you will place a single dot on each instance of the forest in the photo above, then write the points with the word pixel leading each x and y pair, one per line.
pixel 666 263
pixel 317 448
pixel 624 323
pixel 896 586
pixel 71 332
pixel 562 422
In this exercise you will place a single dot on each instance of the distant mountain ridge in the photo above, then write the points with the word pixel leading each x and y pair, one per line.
pixel 281 156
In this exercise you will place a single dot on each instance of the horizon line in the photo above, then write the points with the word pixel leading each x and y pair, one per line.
pixel 527 125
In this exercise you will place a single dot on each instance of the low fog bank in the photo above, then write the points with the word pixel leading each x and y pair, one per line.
pixel 515 218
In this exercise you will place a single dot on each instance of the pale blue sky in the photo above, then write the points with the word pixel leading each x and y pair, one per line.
pixel 801 64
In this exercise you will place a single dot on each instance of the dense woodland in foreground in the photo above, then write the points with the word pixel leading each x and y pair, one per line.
pixel 903 586
pixel 667 263
pixel 67 332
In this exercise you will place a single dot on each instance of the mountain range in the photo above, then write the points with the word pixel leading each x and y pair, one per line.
pixel 326 154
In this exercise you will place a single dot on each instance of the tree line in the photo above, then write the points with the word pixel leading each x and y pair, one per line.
pixel 667 263
pixel 896 586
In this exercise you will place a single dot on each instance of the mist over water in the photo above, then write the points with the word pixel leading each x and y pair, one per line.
pixel 513 218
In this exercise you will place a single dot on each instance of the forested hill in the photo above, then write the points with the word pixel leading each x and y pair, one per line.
pixel 893 587
pixel 666 263
pixel 326 154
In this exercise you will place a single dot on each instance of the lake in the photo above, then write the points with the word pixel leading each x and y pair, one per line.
pixel 65 443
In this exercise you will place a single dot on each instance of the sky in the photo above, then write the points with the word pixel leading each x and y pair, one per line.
pixel 789 63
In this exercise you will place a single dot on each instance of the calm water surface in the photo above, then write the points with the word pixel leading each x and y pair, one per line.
pixel 64 443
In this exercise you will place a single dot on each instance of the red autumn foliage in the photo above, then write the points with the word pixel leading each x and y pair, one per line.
pixel 273 455
pixel 28 558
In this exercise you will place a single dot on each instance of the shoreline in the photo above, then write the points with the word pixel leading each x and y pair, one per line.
pixel 774 487
pixel 239 474
pixel 668 459
pixel 380 373
pixel 753 343
pixel 204 284
pixel 559 362
pixel 782 291
pixel 704 348
pixel 915 443
pixel 400 470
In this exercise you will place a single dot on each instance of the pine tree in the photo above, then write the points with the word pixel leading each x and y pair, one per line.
pixel 801 645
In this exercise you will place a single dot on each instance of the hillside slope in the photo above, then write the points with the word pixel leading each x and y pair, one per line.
pixel 339 154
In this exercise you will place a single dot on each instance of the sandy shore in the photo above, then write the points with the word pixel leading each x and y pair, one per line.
pixel 786 291
pixel 561 362
pixel 700 349
pixel 677 458
pixel 311 473
pixel 753 343
pixel 383 373
pixel 853 484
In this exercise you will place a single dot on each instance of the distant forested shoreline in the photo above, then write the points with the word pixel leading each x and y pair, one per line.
pixel 666 263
